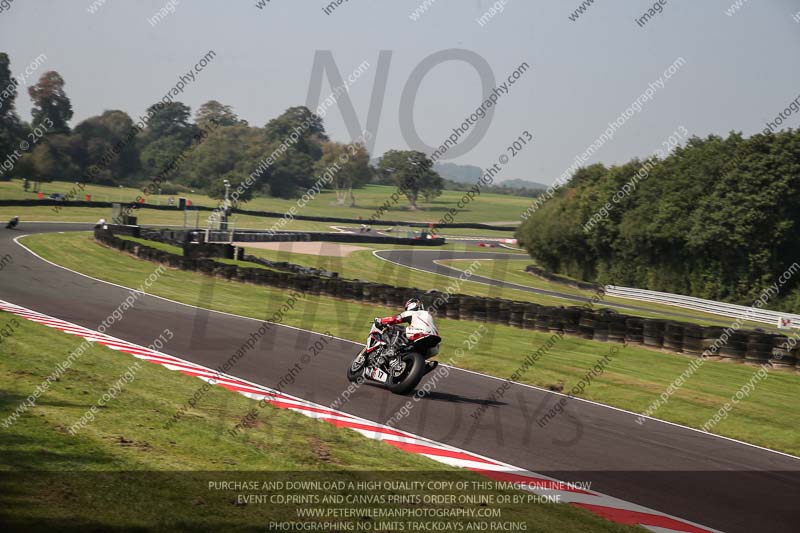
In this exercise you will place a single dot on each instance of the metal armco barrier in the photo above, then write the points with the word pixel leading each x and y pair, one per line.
pixel 699 304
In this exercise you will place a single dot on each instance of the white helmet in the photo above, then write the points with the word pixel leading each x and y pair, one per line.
pixel 414 305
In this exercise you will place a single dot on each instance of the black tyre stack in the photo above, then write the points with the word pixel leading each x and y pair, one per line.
pixel 454 306
pixel 347 290
pixel 467 308
pixel 387 295
pixel 493 310
pixel 503 315
pixel 673 336
pixel 633 330
pixel 735 349
pixel 479 309
pixel 436 297
pixel 693 339
pixel 586 325
pixel 517 314
pixel 571 320
pixel 784 355
pixel 316 286
pixel 555 322
pixel 375 293
pixel 542 322
pixel 759 348
pixel 653 332
pixel 206 266
pixel 358 290
pixel 529 316
pixel 616 328
pixel 175 261
pixel 711 335
pixel 601 321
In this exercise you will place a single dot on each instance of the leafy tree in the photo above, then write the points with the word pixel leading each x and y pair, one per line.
pixel 717 218
pixel 107 145
pixel 431 185
pixel 8 88
pixel 50 101
pixel 291 143
pixel 11 128
pixel 410 170
pixel 168 133
pixel 223 150
pixel 344 167
pixel 301 124
pixel 172 119
pixel 53 158
pixel 293 171
pixel 160 153
pixel 213 114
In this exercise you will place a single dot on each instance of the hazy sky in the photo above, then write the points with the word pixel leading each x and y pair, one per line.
pixel 740 70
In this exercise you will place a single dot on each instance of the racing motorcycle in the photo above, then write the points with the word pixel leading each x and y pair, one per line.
pixel 392 360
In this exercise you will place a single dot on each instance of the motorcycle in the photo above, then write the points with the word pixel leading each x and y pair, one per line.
pixel 12 223
pixel 394 361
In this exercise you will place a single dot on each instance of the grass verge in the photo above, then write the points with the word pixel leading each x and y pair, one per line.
pixel 487 208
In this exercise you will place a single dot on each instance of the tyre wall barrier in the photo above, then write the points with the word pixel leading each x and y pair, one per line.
pixel 168 236
pixel 132 231
pixel 741 346
pixel 196 250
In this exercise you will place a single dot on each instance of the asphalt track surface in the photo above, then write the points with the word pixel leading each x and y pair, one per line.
pixel 712 481
pixel 425 260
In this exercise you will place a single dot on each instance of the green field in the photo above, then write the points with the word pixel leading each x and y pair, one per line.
pixel 149 217
pixel 634 379
pixel 125 469
pixel 486 208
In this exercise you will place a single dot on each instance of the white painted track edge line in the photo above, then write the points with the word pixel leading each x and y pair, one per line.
pixel 606 501
pixel 619 409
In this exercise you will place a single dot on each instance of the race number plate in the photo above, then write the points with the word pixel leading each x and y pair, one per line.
pixel 379 375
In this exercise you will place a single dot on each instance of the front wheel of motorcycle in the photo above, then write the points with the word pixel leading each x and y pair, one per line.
pixel 410 375
pixel 357 366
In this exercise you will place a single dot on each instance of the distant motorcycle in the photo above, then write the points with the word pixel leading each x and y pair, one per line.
pixel 12 223
pixel 392 360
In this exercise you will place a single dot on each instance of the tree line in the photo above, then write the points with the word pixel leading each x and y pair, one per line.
pixel 717 218
pixel 188 152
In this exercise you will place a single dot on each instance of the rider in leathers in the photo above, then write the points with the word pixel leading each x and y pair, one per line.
pixel 420 323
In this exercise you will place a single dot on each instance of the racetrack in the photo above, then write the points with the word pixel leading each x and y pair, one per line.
pixel 710 480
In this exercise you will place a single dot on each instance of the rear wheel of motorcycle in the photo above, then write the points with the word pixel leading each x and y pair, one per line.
pixel 354 370
pixel 411 376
